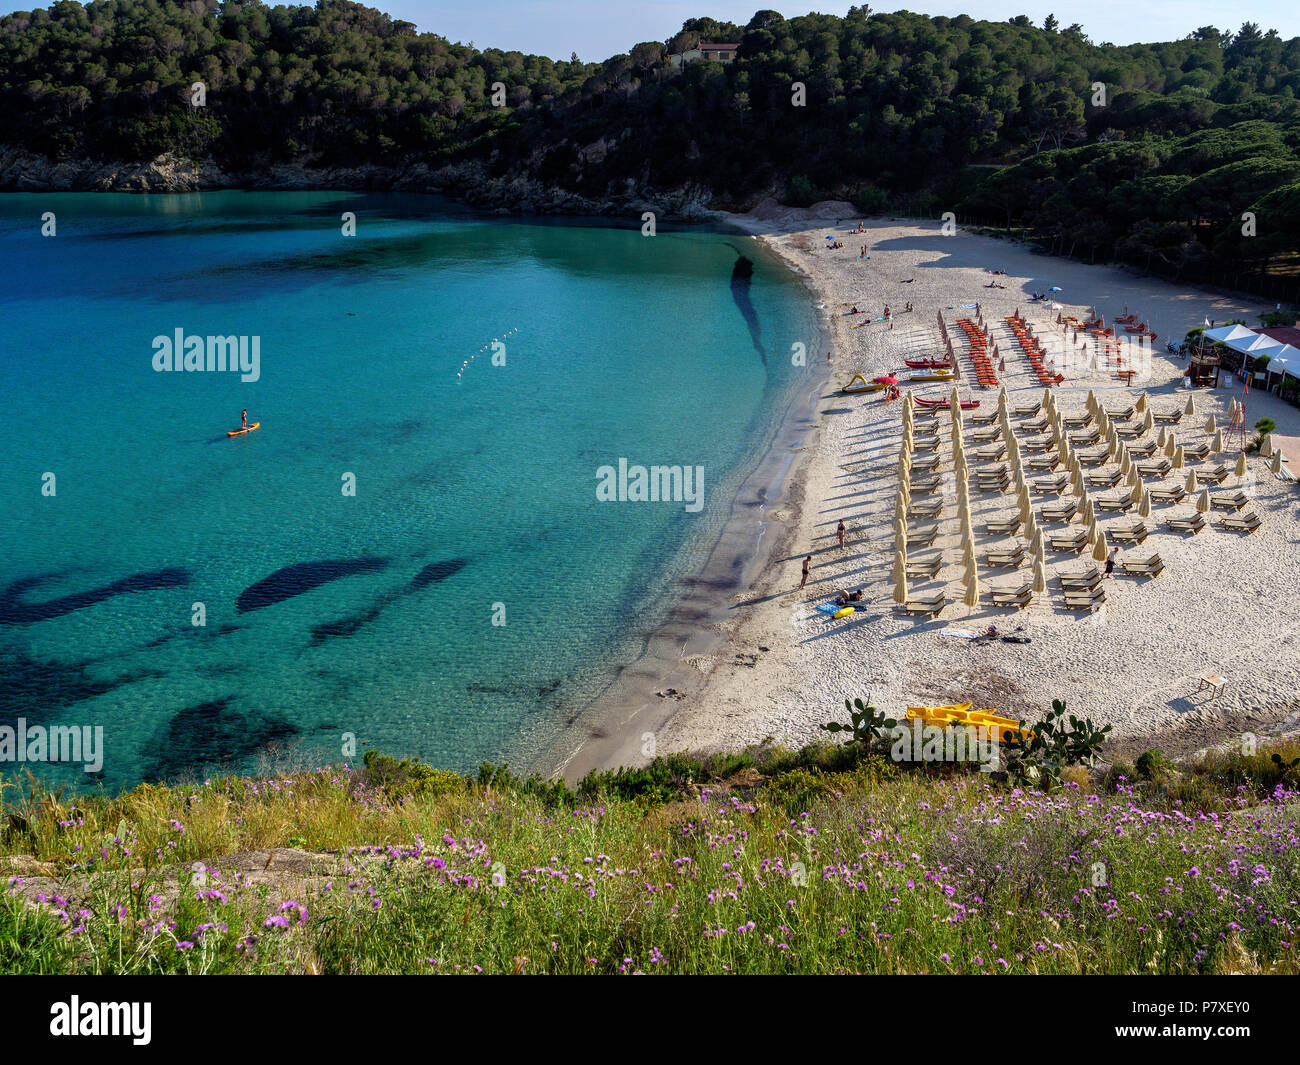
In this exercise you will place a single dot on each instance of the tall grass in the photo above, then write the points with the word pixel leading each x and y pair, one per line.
pixel 805 870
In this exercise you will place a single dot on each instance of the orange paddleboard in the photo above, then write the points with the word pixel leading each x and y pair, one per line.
pixel 241 432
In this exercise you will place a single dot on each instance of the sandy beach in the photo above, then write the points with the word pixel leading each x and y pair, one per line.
pixel 1226 603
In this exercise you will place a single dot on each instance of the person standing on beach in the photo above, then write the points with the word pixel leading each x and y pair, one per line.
pixel 1110 562
pixel 839 532
pixel 806 563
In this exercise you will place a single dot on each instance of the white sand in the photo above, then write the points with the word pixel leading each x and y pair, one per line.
pixel 1226 603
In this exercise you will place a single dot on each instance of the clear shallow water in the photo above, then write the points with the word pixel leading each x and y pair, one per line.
pixel 469 492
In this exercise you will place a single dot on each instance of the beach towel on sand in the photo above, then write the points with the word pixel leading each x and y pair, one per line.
pixel 961 634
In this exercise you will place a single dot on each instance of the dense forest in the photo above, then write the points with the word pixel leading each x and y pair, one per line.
pixel 1150 153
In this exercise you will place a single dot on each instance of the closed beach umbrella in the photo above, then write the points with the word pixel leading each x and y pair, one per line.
pixel 1240 469
pixel 1210 424
pixel 1232 408
pixel 1031 526
pixel 1141 404
pixel 1026 509
pixel 1191 482
pixel 1170 446
pixel 1137 491
pixel 1091 402
pixel 1133 477
pixel 1144 504
pixel 1191 405
pixel 1278 458
pixel 972 597
pixel 1125 464
pixel 1266 448
pixel 1101 549
pixel 1148 421
pixel 1036 544
pixel 1216 445
pixel 1180 460
pixel 1203 502
pixel 1040 576
pixel 1047 398
pixel 900 589
pixel 900 566
pixel 1163 438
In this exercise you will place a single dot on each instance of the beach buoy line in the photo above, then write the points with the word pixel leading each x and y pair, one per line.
pixel 486 347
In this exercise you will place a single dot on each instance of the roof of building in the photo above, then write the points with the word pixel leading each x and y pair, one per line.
pixel 716 46
pixel 1287 334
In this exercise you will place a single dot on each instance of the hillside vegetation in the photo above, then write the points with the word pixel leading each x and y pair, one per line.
pixel 1157 168
pixel 824 860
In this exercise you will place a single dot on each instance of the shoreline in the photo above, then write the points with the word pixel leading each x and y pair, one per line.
pixel 609 729
pixel 778 672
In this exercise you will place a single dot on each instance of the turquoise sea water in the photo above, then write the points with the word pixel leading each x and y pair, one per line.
pixel 474 497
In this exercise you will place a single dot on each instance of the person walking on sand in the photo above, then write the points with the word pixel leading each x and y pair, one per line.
pixel 1110 561
pixel 839 532
pixel 804 580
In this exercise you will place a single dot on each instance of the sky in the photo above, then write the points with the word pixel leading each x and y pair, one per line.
pixel 597 29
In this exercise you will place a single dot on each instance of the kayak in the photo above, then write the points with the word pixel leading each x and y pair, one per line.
pixel 241 432
pixel 926 364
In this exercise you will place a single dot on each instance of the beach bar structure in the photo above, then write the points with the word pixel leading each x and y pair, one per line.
pixel 1248 345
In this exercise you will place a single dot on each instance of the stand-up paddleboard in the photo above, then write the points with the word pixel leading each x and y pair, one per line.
pixel 241 432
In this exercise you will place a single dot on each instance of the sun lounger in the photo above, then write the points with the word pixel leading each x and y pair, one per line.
pixel 1222 501
pixel 925 443
pixel 1155 469
pixel 1051 485
pixel 1142 450
pixel 1172 417
pixel 1086 600
pixel 923 537
pixel 1077 421
pixel 925 508
pixel 1103 480
pixel 1085 439
pixel 1042 443
pixel 1132 534
pixel 1030 428
pixel 985 417
pixel 993 473
pixel 1094 458
pixel 1121 415
pixel 984 436
pixel 1026 410
pixel 929 607
pixel 923 567
pixel 1087 579
pixel 1122 504
pixel 1003 528
pixel 928 483
pixel 1152 566
pixel 994 484
pixel 992 452
pixel 1215 476
pixel 1007 559
pixel 1129 430
pixel 1200 452
pixel 1193 524
pixel 1174 494
pixel 1043 462
pixel 1061 515
pixel 1075 543
pixel 1012 597
pixel 925 463
pixel 1247 524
